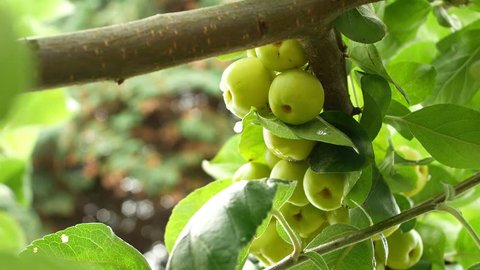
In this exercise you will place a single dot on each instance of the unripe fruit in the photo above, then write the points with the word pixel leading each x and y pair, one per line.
pixel 386 233
pixel 271 159
pixel 245 84
pixel 251 171
pixel 251 53
pixel 293 171
pixel 324 190
pixel 339 215
pixel 404 248
pixel 296 97
pixel 291 150
pixel 283 55
pixel 305 219
pixel 270 245
pixel 420 172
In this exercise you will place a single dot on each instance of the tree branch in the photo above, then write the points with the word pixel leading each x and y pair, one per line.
pixel 366 233
pixel 121 51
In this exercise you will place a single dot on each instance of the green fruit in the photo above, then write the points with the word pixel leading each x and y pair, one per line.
pixel 324 190
pixel 386 233
pixel 251 171
pixel 263 240
pixel 404 249
pixel 420 172
pixel 280 56
pixel 245 84
pixel 271 159
pixel 340 215
pixel 303 219
pixel 251 53
pixel 293 171
pixel 296 97
pixel 270 245
pixel 291 150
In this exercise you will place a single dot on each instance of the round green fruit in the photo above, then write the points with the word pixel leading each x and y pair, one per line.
pixel 280 56
pixel 270 246
pixel 420 172
pixel 293 171
pixel 245 84
pixel 324 190
pixel 251 171
pixel 340 215
pixel 303 219
pixel 296 97
pixel 271 159
pixel 291 150
pixel 404 248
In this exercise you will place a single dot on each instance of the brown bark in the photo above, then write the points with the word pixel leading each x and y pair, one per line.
pixel 121 51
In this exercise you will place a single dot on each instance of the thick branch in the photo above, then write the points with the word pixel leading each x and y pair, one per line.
pixel 368 232
pixel 327 60
pixel 125 50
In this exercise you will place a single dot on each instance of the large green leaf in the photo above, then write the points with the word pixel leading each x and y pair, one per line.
pixel 416 79
pixel 93 245
pixel 358 256
pixel 404 17
pixel 217 233
pixel 376 97
pixel 469 250
pixel 12 238
pixel 342 158
pixel 227 160
pixel 450 133
pixel 15 69
pixel 12 262
pixel 359 193
pixel 187 207
pixel 361 24
pixel 397 109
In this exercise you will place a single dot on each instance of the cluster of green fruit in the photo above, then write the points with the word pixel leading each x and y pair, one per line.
pixel 273 77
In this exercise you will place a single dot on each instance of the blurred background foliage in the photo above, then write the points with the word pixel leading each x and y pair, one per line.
pixel 123 154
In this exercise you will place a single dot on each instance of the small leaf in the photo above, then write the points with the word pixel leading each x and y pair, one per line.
pixel 398 109
pixel 358 256
pixel 405 203
pixel 227 160
pixel 187 207
pixel 367 58
pixel 218 232
pixel 93 245
pixel 252 147
pixel 317 260
pixel 444 19
pixel 12 237
pixel 450 133
pixel 361 24
pixel 13 174
pixel 342 158
pixel 358 194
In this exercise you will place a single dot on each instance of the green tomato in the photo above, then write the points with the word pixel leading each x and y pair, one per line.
pixel 296 97
pixel 271 159
pixel 404 248
pixel 245 84
pixel 420 172
pixel 251 171
pixel 293 171
pixel 305 219
pixel 281 56
pixel 324 190
pixel 340 215
pixel 291 150
pixel 12 238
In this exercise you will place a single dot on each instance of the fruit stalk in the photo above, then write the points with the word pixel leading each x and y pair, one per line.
pixel 366 233
pixel 121 51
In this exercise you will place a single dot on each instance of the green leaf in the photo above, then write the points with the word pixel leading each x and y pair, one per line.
pixel 366 56
pixel 450 133
pixel 357 257
pixel 12 238
pixel 404 203
pixel 13 174
pixel 227 160
pixel 223 226
pixel 342 158
pixel 187 207
pixel 416 79
pixel 317 260
pixel 454 83
pixel 15 73
pixel 376 98
pixel 397 109
pixel 359 193
pixel 39 263
pixel 93 245
pixel 315 130
pixel 361 24
pixel 252 147
pixel 422 52
pixel 404 17
pixel 469 250
pixel 380 203
pixel 231 56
